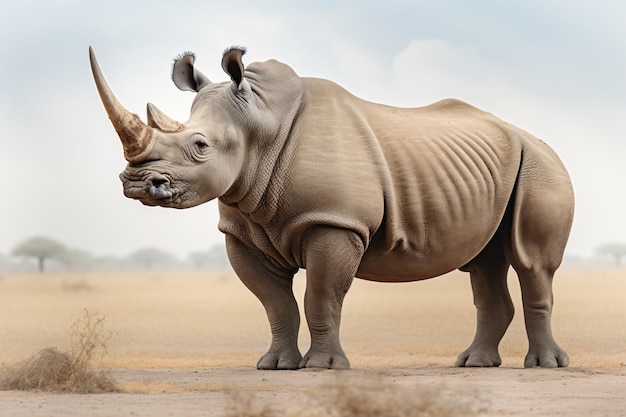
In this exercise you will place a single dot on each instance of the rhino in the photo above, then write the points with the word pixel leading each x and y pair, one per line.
pixel 308 176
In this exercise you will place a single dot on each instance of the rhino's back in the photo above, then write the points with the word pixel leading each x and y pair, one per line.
pixel 451 171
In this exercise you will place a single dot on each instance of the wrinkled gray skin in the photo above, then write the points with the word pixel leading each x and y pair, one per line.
pixel 309 176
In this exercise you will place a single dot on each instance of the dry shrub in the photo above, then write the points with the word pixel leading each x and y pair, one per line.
pixel 51 370
pixel 347 398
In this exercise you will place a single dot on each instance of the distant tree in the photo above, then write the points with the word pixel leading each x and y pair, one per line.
pixel 216 257
pixel 76 258
pixel 615 250
pixel 40 248
pixel 152 257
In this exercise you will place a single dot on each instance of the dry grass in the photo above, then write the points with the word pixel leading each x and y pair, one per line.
pixel 359 399
pixel 52 370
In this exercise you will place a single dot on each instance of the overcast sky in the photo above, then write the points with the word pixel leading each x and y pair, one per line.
pixel 553 68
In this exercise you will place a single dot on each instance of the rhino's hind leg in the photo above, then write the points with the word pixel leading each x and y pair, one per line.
pixel 537 298
pixel 331 258
pixel 542 217
pixel 536 283
pixel 494 308
pixel 273 287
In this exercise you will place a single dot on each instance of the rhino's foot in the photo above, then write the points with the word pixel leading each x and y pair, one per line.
pixel 279 360
pixel 336 360
pixel 474 357
pixel 546 357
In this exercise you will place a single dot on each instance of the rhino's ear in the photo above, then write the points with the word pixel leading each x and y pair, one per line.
pixel 185 76
pixel 233 65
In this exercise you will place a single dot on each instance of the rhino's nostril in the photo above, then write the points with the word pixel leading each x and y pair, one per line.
pixel 158 181
pixel 158 187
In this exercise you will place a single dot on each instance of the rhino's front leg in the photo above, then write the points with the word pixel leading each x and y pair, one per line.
pixel 273 287
pixel 331 258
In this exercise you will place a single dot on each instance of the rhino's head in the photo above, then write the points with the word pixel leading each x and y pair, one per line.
pixel 181 165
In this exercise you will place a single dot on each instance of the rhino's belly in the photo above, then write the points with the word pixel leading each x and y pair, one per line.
pixel 414 261
pixel 397 267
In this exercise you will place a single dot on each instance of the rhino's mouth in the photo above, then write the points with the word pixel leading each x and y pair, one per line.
pixel 152 190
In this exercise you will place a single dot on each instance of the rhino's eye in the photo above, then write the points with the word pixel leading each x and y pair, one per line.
pixel 201 145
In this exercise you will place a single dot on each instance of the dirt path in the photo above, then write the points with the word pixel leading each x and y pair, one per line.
pixel 212 392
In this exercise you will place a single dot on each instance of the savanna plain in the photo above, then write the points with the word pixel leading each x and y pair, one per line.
pixel 186 344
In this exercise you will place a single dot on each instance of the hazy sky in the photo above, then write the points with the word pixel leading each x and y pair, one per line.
pixel 554 68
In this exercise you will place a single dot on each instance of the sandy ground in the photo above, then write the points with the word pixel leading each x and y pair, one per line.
pixel 185 344
pixel 209 392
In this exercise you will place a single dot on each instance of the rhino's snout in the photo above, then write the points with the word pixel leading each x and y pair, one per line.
pixel 154 189
pixel 158 187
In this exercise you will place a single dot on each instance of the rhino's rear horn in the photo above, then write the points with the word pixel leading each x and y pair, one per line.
pixel 136 136
pixel 159 120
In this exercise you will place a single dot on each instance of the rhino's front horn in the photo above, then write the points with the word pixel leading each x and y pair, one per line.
pixel 135 135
